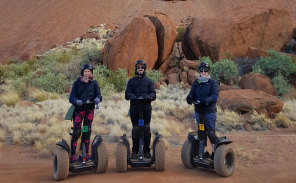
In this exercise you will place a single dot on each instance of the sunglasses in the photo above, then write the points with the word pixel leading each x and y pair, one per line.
pixel 140 67
pixel 204 70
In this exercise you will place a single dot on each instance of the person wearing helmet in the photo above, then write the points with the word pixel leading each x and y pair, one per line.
pixel 140 86
pixel 204 95
pixel 85 94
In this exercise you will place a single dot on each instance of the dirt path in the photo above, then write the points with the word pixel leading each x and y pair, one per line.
pixel 261 157
pixel 30 27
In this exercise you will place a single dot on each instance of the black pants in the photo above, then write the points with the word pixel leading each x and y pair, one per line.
pixel 144 131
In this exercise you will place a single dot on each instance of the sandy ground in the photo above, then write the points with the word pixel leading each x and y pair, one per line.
pixel 260 157
pixel 31 27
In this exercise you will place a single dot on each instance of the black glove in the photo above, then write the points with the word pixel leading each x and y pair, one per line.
pixel 132 96
pixel 205 100
pixel 189 100
pixel 152 96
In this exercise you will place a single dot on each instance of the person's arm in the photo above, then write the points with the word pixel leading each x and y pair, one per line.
pixel 73 97
pixel 191 96
pixel 97 91
pixel 128 92
pixel 152 91
pixel 214 94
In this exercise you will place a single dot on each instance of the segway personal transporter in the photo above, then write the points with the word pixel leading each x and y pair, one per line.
pixel 98 160
pixel 193 154
pixel 123 155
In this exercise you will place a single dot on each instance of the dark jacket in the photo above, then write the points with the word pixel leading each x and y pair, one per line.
pixel 140 87
pixel 206 93
pixel 85 91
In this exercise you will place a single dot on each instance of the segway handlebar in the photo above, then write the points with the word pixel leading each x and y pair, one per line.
pixel 90 102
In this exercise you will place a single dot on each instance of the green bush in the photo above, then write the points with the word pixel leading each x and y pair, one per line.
pixel 63 58
pixel 225 71
pixel 180 35
pixel 281 84
pixel 274 65
pixel 279 68
pixel 119 79
pixel 91 54
pixel 154 75
pixel 52 82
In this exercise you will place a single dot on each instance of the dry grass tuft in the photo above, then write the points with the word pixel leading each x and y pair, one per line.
pixel 289 109
pixel 228 120
pixel 282 121
pixel 260 122
pixel 9 98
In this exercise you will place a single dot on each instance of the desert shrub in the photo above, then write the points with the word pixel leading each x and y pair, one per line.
pixel 281 84
pixel 228 120
pixel 154 75
pixel 260 122
pixel 9 98
pixel 282 121
pixel 180 35
pixel 289 109
pixel 118 78
pixel 278 66
pixel 225 71
pixel 63 58
pixel 90 54
pixel 245 64
pixel 51 82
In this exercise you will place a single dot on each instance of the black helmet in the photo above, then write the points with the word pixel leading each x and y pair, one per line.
pixel 203 66
pixel 87 66
pixel 140 62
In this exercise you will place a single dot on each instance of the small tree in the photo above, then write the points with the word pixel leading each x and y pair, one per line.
pixel 225 71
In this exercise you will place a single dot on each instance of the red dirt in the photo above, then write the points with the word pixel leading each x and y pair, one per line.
pixel 31 27
pixel 269 157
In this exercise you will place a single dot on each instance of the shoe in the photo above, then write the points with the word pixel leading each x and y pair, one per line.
pixel 147 155
pixel 134 155
pixel 87 157
pixel 212 156
pixel 73 159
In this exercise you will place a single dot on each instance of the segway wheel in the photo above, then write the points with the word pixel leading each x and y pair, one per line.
pixel 160 155
pixel 224 160
pixel 61 162
pixel 102 158
pixel 186 154
pixel 121 157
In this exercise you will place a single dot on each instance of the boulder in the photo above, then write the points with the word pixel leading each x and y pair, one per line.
pixel 192 75
pixel 246 100
pixel 185 65
pixel 184 78
pixel 225 87
pixel 220 37
pixel 89 35
pixel 255 81
pixel 173 78
pixel 137 40
pixel 166 35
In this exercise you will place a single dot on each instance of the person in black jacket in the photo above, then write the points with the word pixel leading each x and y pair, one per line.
pixel 140 86
pixel 84 95
pixel 204 95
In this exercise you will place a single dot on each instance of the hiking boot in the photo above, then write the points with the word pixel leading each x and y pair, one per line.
pixel 134 155
pixel 73 159
pixel 147 155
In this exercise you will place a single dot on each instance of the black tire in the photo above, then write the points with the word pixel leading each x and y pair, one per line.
pixel 186 154
pixel 102 158
pixel 224 161
pixel 160 155
pixel 61 162
pixel 121 157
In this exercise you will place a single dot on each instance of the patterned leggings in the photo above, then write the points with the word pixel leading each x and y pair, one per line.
pixel 87 116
